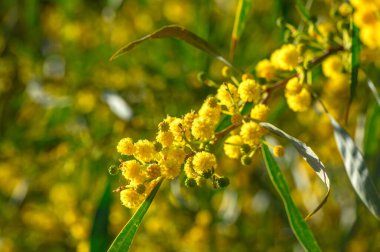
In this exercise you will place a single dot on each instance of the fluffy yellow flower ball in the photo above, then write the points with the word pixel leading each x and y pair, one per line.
pixel 333 65
pixel 202 129
pixel 293 86
pixel 170 169
pixel 165 138
pixel 144 150
pixel 285 58
pixel 188 168
pixel 125 146
pixel 299 102
pixel 251 133
pixel 338 85
pixel 130 198
pixel 228 95
pixel 211 110
pixel 232 146
pixel 204 162
pixel 131 171
pixel 265 69
pixel 249 91
pixel 260 112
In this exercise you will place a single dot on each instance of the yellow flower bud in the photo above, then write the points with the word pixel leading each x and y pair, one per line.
pixel 278 151
pixel 232 146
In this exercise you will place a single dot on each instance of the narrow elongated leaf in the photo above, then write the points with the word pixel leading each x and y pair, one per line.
pixel 310 157
pixel 356 169
pixel 99 240
pixel 374 91
pixel 297 223
pixel 371 140
pixel 303 11
pixel 240 19
pixel 124 239
pixel 175 31
pixel 355 63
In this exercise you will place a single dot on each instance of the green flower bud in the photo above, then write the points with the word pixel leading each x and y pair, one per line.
pixel 222 182
pixel 163 126
pixel 157 146
pixel 246 160
pixel 280 22
pixel 207 174
pixel 140 189
pixel 245 149
pixel 190 182
pixel 113 170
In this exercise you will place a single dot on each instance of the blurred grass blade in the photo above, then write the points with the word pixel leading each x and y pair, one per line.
pixel 356 169
pixel 174 31
pixel 297 223
pixel 240 19
pixel 374 91
pixel 355 63
pixel 303 11
pixel 124 239
pixel 310 157
pixel 371 139
pixel 99 240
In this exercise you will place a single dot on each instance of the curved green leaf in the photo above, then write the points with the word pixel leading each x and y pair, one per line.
pixel 303 11
pixel 297 223
pixel 99 240
pixel 240 19
pixel 124 239
pixel 356 169
pixel 310 157
pixel 175 31
pixel 374 91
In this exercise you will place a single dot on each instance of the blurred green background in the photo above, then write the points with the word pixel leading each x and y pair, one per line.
pixel 64 106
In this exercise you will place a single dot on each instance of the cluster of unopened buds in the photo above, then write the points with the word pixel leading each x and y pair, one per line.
pixel 184 145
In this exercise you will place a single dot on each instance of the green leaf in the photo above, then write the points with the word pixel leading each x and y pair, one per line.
pixel 124 239
pixel 374 91
pixel 297 223
pixel 303 11
pixel 355 63
pixel 371 137
pixel 240 19
pixel 99 240
pixel 356 169
pixel 310 157
pixel 174 31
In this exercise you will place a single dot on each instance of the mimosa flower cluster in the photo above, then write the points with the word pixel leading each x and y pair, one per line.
pixel 184 145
